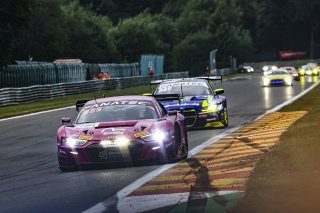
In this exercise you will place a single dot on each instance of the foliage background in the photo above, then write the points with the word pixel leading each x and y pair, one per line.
pixel 185 31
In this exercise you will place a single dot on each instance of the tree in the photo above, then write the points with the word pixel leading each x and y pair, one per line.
pixel 89 37
pixel 14 16
pixel 138 35
pixel 207 25
pixel 45 39
pixel 307 17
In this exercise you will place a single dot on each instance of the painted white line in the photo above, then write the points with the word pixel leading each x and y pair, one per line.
pixel 36 113
pixel 122 194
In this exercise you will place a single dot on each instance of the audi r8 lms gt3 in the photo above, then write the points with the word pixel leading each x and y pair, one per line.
pixel 125 129
pixel 199 103
pixel 277 78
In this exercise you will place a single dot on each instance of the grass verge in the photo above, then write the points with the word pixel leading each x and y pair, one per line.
pixel 70 100
pixel 287 178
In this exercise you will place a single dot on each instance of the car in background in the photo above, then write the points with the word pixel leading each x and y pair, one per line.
pixel 277 78
pixel 121 129
pixel 292 71
pixel 199 103
pixel 245 69
pixel 309 69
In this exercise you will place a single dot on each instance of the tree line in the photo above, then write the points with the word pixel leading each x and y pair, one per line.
pixel 185 31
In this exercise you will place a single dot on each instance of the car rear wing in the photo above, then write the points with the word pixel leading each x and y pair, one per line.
pixel 80 104
pixel 168 97
pixel 212 78
pixel 155 82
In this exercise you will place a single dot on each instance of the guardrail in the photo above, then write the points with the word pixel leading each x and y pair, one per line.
pixel 11 96
pixel 24 75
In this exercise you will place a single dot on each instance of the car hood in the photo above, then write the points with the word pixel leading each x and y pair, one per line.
pixel 276 77
pixel 112 130
pixel 186 103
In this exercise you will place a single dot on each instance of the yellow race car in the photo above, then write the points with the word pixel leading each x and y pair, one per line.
pixel 277 78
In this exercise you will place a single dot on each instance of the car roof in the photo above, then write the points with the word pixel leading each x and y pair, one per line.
pixel 122 98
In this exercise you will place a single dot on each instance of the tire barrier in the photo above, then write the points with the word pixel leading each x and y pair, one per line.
pixel 11 96
pixel 41 74
pixel 24 75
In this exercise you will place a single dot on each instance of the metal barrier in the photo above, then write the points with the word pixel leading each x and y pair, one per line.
pixel 10 96
pixel 41 74
pixel 24 75
pixel 121 70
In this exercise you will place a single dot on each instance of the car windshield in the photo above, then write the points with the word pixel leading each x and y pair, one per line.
pixel 117 111
pixel 184 88
pixel 277 72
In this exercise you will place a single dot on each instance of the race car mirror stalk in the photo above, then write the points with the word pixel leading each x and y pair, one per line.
pixel 173 113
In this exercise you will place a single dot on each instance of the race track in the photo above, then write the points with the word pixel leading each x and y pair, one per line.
pixel 31 182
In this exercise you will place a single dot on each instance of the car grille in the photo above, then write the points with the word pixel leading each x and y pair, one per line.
pixel 190 116
pixel 98 153
pixel 277 82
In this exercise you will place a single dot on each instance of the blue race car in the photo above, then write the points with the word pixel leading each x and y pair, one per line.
pixel 199 103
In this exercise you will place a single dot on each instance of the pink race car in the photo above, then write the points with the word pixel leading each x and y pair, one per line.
pixel 121 129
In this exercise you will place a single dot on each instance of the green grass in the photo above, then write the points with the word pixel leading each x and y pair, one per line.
pixel 70 100
pixel 287 178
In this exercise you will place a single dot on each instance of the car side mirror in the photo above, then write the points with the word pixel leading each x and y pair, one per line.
pixel 66 121
pixel 218 91
pixel 171 113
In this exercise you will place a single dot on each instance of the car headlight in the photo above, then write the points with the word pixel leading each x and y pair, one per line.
pixel 265 68
pixel 158 136
pixel 266 81
pixel 122 141
pixel 72 142
pixel 213 107
pixel 274 67
pixel 302 71
pixel 288 80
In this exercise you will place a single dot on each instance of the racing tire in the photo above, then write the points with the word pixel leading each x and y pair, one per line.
pixel 172 155
pixel 225 120
pixel 67 169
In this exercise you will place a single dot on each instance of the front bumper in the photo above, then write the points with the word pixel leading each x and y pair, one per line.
pixel 95 153
pixel 203 119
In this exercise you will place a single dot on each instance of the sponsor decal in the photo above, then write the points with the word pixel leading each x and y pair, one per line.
pixel 112 103
pixel 85 137
pixel 141 134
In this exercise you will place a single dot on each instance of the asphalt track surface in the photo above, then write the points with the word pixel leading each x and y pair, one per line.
pixel 31 182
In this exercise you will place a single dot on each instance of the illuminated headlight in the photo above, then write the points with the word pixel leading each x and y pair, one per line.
pixel 265 68
pixel 295 74
pixel 72 142
pixel 309 72
pixel 158 136
pixel 288 80
pixel 122 141
pixel 213 107
pixel 274 67
pixel 266 81
pixel 302 71
pixel 315 71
